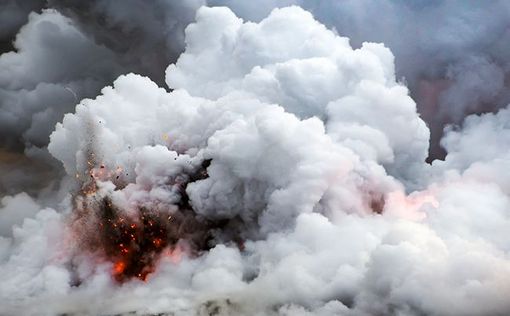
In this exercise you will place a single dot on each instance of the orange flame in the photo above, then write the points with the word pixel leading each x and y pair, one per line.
pixel 119 267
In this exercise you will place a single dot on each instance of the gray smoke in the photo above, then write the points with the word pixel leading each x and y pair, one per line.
pixel 14 14
pixel 68 50
pixel 293 143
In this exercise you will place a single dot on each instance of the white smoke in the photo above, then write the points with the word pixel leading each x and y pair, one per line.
pixel 310 72
pixel 451 54
pixel 314 150
pixel 443 49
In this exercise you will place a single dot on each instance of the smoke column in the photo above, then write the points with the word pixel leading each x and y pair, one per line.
pixel 262 161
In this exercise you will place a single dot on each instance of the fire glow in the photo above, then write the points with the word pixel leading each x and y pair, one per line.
pixel 135 241
pixel 134 244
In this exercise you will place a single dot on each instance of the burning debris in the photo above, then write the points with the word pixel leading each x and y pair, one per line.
pixel 134 242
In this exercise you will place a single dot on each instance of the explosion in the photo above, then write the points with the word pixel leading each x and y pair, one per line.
pixel 133 245
pixel 134 241
pixel 281 170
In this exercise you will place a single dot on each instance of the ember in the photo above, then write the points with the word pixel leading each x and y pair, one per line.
pixel 135 242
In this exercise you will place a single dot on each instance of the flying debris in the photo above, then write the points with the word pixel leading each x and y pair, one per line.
pixel 135 240
pixel 73 93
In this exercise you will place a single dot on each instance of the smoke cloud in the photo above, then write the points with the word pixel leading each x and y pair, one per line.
pixel 59 60
pixel 281 172
pixel 14 14
pixel 451 67
pixel 67 51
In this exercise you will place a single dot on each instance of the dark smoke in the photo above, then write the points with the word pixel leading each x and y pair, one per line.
pixel 145 35
pixel 14 14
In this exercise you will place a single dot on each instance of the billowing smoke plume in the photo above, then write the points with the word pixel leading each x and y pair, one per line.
pixel 63 56
pixel 451 54
pixel 284 174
